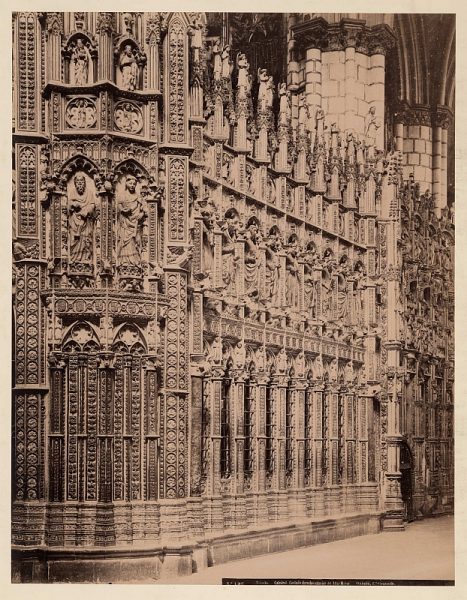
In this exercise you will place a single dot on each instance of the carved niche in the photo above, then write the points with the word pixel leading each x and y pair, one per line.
pixel 80 59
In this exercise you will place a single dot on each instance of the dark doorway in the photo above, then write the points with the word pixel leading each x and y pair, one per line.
pixel 406 468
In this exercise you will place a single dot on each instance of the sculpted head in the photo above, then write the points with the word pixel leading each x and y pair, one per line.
pixel 80 183
pixel 130 183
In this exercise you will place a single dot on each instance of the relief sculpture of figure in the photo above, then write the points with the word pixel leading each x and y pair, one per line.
pixel 128 68
pixel 131 215
pixel 82 210
pixel 81 60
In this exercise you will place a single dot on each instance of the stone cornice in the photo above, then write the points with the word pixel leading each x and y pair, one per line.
pixel 349 33
pixel 420 114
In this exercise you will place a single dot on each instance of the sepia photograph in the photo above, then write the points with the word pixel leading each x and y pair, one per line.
pixel 232 314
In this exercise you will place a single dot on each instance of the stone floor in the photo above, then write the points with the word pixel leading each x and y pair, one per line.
pixel 425 550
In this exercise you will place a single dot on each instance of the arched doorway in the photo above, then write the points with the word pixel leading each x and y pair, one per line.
pixel 406 469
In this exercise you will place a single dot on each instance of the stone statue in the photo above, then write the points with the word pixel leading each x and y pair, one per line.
pixel 303 114
pixel 284 104
pixel 197 38
pixel 81 213
pixel 282 361
pixel 310 293
pixel 244 82
pixel 131 216
pixel 129 68
pixel 81 59
pixel 217 60
pixel 239 356
pixel 252 258
pixel 226 65
pixel 265 92
pixel 272 271
pixel 372 124
pixel 229 258
pixel 292 267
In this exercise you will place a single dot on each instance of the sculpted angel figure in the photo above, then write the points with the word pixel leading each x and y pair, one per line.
pixel 131 215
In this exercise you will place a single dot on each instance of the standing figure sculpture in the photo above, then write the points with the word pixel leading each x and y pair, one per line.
pixel 131 215
pixel 284 104
pixel 216 60
pixel 293 279
pixel 81 59
pixel 129 68
pixel 244 81
pixel 225 57
pixel 82 210
pixel 272 270
pixel 252 259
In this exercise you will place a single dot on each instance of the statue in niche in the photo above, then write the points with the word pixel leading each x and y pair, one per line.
pixel 372 124
pixel 81 60
pixel 226 65
pixel 252 258
pixel 82 210
pixel 244 79
pixel 131 216
pixel 129 68
pixel 284 104
pixel 310 293
pixel 272 270
pixel 292 267
pixel 318 367
pixel 229 258
pixel 217 60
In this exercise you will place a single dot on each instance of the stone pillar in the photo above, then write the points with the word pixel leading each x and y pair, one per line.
pixel 54 27
pixel 152 41
pixel 105 29
pixel 442 120
pixel 313 80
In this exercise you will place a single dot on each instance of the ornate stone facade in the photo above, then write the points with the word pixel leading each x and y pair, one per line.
pixel 233 306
